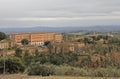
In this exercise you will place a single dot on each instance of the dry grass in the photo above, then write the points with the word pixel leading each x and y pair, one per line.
pixel 14 76
pixel 67 77
pixel 19 76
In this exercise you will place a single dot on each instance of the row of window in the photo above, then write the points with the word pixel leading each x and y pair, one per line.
pixel 37 43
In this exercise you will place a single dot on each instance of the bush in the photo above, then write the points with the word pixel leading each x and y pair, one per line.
pixel 46 70
pixel 12 65
pixel 56 59
pixel 99 72
pixel 38 69
pixel 67 58
pixel 71 71
pixel 105 72
pixel 18 52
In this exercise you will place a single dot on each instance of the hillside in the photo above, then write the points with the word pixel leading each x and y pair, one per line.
pixel 61 29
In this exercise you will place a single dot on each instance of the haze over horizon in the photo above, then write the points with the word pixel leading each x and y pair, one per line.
pixel 32 13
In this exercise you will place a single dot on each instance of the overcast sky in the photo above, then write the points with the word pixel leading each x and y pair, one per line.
pixel 30 13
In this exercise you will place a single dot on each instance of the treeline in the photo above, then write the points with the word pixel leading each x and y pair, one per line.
pixel 54 58
pixel 96 39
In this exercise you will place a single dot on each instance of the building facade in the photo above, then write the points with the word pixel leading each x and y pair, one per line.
pixel 37 38
pixel 6 44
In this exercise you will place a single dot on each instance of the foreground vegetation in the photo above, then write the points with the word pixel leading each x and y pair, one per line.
pixel 42 66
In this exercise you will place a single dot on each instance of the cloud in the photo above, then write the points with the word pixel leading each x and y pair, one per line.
pixel 84 16
pixel 58 12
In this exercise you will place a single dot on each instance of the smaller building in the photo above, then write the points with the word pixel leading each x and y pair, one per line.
pixel 63 47
pixel 58 37
pixel 6 44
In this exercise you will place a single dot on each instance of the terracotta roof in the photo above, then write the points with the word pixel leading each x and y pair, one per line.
pixel 31 33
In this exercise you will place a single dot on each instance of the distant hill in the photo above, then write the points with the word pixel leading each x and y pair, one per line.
pixel 61 29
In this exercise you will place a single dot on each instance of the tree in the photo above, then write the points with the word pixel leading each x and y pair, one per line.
pixel 56 59
pixel 37 52
pixel 86 40
pixel 49 46
pixel 26 53
pixel 43 58
pixel 24 42
pixel 38 69
pixel 18 52
pixel 2 36
pixel 80 40
pixel 13 65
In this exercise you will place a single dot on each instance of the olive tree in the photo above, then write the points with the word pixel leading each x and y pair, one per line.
pixel 2 36
pixel 24 42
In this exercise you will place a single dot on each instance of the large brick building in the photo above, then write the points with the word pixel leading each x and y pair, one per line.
pixel 36 38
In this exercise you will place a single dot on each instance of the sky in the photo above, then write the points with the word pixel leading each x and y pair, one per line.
pixel 56 13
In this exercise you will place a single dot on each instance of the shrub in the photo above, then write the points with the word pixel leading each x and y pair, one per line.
pixel 59 59
pixel 99 72
pixel 38 69
pixel 71 71
pixel 46 70
pixel 105 72
pixel 12 65
pixel 18 52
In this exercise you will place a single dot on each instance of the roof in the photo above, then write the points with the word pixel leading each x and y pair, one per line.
pixel 19 33
pixel 5 40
